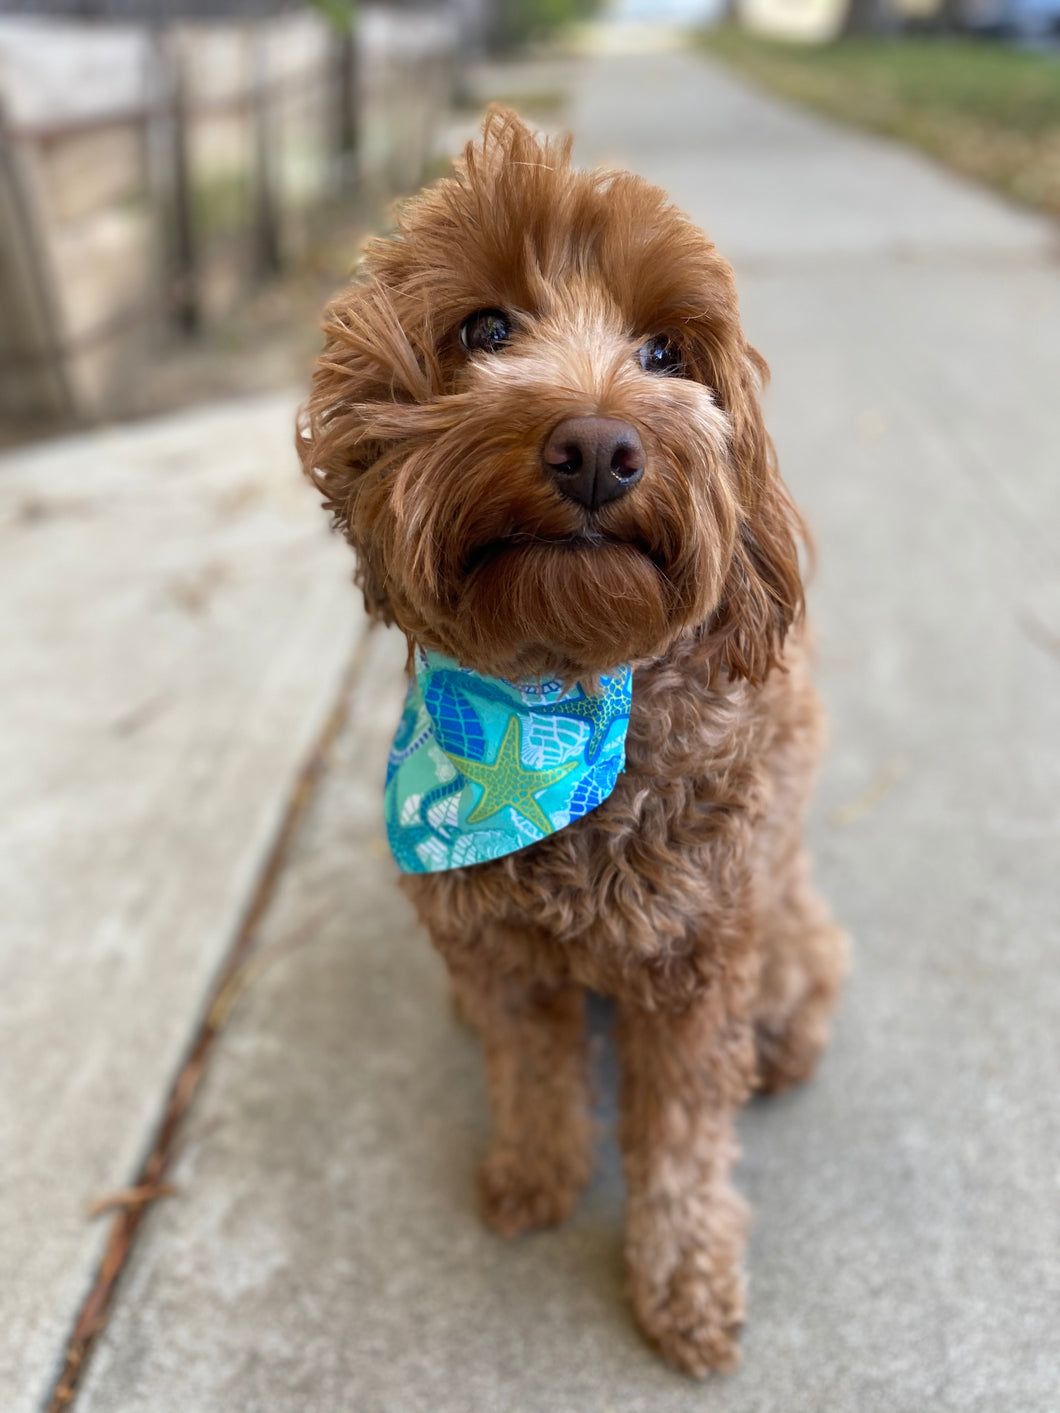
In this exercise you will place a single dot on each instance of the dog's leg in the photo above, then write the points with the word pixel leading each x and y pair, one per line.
pixel 684 1077
pixel 804 958
pixel 537 1072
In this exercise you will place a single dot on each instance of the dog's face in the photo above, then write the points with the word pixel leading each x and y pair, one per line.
pixel 537 422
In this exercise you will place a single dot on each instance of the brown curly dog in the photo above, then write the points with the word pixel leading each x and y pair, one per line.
pixel 537 422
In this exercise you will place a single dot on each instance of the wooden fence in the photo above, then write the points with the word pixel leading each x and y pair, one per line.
pixel 156 212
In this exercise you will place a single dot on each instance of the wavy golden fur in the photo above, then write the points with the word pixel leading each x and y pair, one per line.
pixel 685 895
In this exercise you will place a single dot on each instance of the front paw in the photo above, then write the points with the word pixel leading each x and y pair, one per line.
pixel 686 1276
pixel 519 1194
pixel 694 1316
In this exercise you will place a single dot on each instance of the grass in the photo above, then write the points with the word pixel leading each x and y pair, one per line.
pixel 990 112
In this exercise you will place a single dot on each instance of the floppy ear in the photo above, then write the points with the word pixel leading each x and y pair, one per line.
pixel 367 365
pixel 763 595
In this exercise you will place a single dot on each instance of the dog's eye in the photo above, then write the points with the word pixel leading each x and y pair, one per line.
pixel 660 355
pixel 489 329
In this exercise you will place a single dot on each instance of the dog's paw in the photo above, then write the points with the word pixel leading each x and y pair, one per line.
pixel 693 1319
pixel 788 1058
pixel 787 1052
pixel 795 1011
pixel 518 1196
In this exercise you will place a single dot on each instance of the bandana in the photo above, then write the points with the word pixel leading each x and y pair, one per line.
pixel 481 767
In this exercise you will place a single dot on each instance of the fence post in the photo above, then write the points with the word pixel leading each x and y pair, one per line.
pixel 32 344
pixel 347 111
pixel 177 207
pixel 267 254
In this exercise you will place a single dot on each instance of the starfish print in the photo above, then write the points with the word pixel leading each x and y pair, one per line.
pixel 508 782
pixel 611 705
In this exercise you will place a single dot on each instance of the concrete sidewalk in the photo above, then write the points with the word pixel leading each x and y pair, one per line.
pixel 175 622
pixel 323 1252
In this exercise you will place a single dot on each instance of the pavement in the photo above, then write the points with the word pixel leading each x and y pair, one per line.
pixel 176 622
pixel 322 1250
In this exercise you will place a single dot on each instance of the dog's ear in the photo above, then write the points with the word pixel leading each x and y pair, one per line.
pixel 763 595
pixel 368 371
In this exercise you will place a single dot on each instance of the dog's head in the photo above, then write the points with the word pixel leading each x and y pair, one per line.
pixel 536 420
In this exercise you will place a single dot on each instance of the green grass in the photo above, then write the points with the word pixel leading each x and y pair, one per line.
pixel 988 111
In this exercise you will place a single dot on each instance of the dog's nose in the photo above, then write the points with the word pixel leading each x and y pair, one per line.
pixel 593 459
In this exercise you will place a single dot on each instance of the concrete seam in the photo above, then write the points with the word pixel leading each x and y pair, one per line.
pixel 150 1185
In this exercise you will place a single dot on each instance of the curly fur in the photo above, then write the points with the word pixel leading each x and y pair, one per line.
pixel 685 895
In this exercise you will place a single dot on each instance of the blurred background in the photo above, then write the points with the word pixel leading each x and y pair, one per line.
pixel 239 1124
pixel 181 184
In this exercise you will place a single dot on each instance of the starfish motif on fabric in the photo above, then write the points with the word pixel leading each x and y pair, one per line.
pixel 508 782
pixel 611 705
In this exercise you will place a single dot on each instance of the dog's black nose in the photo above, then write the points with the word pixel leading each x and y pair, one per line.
pixel 593 459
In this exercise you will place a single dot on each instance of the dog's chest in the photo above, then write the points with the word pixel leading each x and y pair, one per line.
pixel 626 896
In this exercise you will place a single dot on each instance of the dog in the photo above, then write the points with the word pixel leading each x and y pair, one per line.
pixel 538 424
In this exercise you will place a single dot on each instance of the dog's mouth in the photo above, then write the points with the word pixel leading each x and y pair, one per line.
pixel 571 603
pixel 580 541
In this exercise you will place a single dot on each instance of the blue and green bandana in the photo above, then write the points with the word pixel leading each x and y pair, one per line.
pixel 481 767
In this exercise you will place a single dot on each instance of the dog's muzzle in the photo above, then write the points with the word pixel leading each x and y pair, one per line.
pixel 593 460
